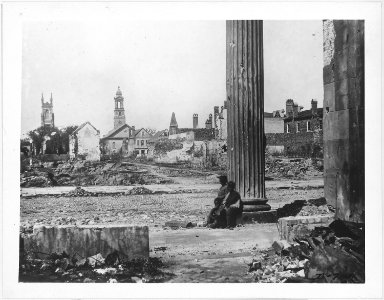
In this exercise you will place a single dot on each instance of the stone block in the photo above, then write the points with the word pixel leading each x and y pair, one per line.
pixel 88 240
pixel 278 246
pixel 329 97
pixel 328 74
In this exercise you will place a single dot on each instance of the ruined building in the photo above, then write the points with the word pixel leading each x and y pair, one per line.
pixel 85 141
pixel 47 115
pixel 173 127
pixel 142 138
pixel 298 120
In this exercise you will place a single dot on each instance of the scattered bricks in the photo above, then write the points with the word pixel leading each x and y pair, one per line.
pixel 299 226
pixel 130 241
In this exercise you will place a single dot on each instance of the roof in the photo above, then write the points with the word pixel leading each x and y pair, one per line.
pixel 159 133
pixel 116 130
pixel 306 114
pixel 82 125
pixel 173 120
pixel 137 131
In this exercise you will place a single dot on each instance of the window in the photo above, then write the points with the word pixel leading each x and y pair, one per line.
pixel 142 133
pixel 297 127
pixel 142 142
pixel 321 125
pixel 146 142
pixel 138 143
pixel 287 128
pixel 308 126
pixel 113 145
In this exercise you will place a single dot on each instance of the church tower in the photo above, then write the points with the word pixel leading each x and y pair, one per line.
pixel 47 115
pixel 119 116
pixel 173 127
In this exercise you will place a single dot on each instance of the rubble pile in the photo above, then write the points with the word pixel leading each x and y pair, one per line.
pixel 112 269
pixel 79 192
pixel 292 168
pixel 86 173
pixel 333 254
pixel 139 191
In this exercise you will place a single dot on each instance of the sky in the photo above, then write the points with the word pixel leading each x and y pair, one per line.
pixel 160 66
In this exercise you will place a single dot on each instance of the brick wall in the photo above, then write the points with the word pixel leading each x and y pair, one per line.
pixel 201 134
pixel 297 144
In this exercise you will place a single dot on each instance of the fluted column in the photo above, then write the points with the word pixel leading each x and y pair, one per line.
pixel 245 95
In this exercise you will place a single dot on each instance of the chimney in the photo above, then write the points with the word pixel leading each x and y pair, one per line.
pixel 195 121
pixel 314 106
pixel 289 108
pixel 295 110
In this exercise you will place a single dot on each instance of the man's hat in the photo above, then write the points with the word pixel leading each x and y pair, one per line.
pixel 223 177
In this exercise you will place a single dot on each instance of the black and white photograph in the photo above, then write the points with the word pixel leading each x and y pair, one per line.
pixel 229 149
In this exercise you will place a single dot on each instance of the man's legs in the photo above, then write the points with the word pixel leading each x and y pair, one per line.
pixel 232 213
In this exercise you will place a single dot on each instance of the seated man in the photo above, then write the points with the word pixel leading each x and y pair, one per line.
pixel 216 217
pixel 232 204
pixel 223 189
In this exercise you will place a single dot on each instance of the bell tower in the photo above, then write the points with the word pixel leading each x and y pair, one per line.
pixel 119 113
pixel 47 115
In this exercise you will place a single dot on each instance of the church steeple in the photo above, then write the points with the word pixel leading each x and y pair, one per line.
pixel 47 115
pixel 119 113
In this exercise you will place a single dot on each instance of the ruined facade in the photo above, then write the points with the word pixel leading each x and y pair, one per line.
pixel 343 77
pixel 85 141
pixel 47 115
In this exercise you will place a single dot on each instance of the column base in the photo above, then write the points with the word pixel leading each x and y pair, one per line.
pixel 254 205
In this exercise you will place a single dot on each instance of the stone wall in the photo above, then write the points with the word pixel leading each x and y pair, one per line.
pixel 343 77
pixel 298 227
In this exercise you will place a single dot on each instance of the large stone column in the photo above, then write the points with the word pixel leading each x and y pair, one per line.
pixel 245 95
pixel 344 117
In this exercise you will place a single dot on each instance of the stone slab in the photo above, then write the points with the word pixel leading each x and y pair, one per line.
pixel 259 217
pixel 130 241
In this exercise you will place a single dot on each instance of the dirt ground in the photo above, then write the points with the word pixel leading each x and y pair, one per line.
pixel 195 254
